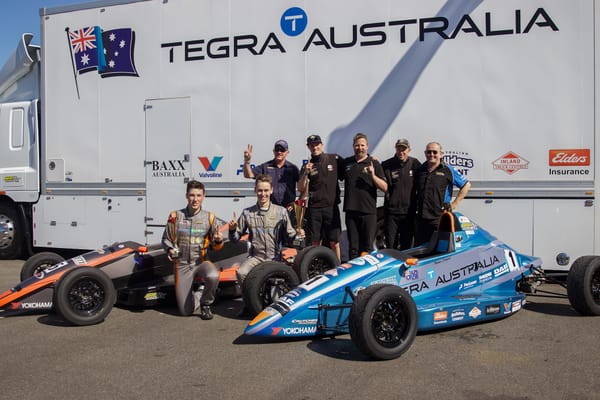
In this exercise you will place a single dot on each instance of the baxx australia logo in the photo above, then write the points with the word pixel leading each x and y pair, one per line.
pixel 569 162
pixel 210 166
pixel 167 169
pixel 510 163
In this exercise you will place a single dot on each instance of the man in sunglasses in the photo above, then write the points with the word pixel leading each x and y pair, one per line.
pixel 285 174
pixel 432 191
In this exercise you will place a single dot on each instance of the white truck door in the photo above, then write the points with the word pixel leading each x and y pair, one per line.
pixel 168 135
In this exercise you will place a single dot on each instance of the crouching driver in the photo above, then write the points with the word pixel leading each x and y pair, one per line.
pixel 268 227
pixel 187 236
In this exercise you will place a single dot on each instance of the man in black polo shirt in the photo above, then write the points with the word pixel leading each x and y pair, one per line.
pixel 432 191
pixel 284 173
pixel 399 172
pixel 362 177
pixel 320 178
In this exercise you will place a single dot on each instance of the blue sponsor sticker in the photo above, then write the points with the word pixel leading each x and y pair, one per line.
pixel 293 21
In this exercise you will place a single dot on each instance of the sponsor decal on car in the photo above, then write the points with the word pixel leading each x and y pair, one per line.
pixel 510 163
pixel 474 313
pixel 492 309
pixel 485 277
pixel 304 321
pixel 501 270
pixel 516 306
pixel 390 280
pixel 411 275
pixel 507 308
pixel 468 284
pixel 440 317
pixel 34 305
pixel 457 315
pixel 79 260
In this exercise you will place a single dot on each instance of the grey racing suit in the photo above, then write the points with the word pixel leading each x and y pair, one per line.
pixel 192 235
pixel 268 230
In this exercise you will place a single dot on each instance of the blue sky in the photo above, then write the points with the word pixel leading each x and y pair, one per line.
pixel 21 16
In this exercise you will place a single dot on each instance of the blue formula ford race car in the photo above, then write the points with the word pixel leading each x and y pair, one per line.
pixel 464 275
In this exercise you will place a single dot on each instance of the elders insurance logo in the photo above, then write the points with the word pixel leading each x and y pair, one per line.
pixel 569 157
pixel 510 163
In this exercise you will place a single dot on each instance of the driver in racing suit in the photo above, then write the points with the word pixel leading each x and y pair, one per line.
pixel 268 226
pixel 188 235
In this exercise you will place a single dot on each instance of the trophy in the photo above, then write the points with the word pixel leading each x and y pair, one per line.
pixel 299 210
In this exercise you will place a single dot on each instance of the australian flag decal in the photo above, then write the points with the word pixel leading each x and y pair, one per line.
pixel 108 52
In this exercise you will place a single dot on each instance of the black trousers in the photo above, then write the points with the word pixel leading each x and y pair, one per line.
pixel 399 231
pixel 361 229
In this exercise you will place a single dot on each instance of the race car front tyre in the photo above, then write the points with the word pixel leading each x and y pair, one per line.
pixel 583 285
pixel 266 283
pixel 383 321
pixel 39 262
pixel 314 260
pixel 84 296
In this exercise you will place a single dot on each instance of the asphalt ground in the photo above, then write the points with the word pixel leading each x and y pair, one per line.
pixel 544 351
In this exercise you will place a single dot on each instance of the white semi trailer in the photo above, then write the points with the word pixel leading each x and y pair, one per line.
pixel 101 125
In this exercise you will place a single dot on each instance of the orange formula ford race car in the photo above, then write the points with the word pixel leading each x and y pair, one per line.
pixel 83 289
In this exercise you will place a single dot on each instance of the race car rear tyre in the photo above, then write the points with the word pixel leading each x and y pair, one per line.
pixel 39 262
pixel 84 296
pixel 11 232
pixel 583 285
pixel 266 283
pixel 383 321
pixel 314 260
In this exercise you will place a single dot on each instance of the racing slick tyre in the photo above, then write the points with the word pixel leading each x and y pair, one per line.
pixel 39 262
pixel 266 283
pixel 84 296
pixel 314 260
pixel 583 285
pixel 383 321
pixel 11 232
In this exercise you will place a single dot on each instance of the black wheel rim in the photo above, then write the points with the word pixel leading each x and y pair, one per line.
pixel 273 288
pixel 595 286
pixel 40 268
pixel 316 267
pixel 390 322
pixel 86 296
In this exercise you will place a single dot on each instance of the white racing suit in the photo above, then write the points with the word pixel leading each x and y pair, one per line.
pixel 192 235
pixel 267 231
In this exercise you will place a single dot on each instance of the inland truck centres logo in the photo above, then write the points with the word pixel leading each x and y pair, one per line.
pixel 569 162
pixel 210 166
pixel 510 163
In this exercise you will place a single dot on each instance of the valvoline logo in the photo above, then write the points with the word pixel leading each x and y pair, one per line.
pixel 210 166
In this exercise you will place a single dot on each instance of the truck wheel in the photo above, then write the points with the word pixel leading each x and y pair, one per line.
pixel 84 296
pixel 266 283
pixel 39 262
pixel 11 232
pixel 314 260
pixel 583 285
pixel 383 321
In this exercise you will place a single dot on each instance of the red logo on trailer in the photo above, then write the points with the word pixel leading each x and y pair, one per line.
pixel 569 157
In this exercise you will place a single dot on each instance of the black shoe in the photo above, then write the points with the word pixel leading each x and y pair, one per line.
pixel 244 313
pixel 206 313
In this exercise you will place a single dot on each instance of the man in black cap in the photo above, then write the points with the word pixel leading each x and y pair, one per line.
pixel 319 177
pixel 399 172
pixel 284 173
